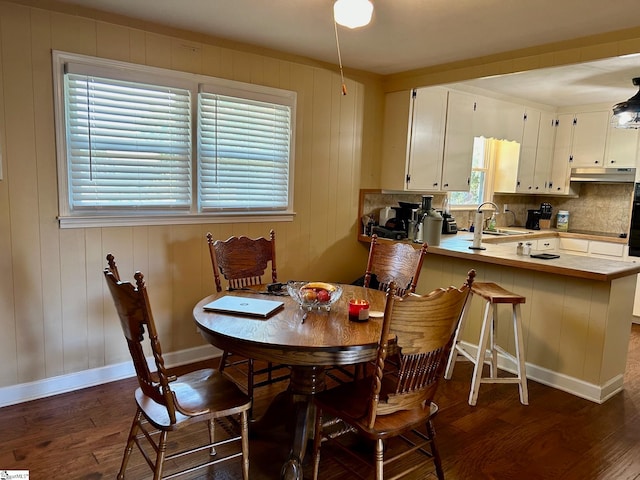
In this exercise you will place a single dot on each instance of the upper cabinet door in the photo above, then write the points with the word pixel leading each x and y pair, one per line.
pixel 589 139
pixel 544 153
pixel 527 164
pixel 458 142
pixel 622 147
pixel 395 138
pixel 427 138
pixel 559 181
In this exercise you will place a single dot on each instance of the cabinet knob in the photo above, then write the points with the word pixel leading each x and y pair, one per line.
pixel 446 185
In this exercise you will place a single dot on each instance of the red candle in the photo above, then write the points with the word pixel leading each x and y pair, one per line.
pixel 358 310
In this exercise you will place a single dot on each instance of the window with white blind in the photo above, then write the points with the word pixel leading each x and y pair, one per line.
pixel 243 153
pixel 140 145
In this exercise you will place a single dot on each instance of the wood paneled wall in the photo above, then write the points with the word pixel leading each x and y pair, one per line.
pixel 56 315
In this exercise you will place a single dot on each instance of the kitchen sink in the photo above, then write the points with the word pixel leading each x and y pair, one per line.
pixel 504 232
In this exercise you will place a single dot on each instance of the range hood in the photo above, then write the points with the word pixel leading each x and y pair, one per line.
pixel 603 175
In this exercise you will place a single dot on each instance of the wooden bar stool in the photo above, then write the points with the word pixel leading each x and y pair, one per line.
pixel 493 295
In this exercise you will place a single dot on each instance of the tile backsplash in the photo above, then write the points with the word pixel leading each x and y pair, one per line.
pixel 595 207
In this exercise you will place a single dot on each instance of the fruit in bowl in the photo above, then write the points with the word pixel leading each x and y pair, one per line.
pixel 310 295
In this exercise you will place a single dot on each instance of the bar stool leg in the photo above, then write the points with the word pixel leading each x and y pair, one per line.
pixel 493 364
pixel 482 353
pixel 517 328
pixel 453 354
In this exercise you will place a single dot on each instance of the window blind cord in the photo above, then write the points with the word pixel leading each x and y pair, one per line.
pixel 89 134
pixel 344 86
pixel 215 121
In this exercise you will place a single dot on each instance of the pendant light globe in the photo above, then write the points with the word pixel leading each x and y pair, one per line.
pixel 352 13
pixel 627 114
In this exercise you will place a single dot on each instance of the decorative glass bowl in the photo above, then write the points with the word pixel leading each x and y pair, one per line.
pixel 314 295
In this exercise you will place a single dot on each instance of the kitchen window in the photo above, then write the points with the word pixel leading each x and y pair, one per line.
pixel 480 183
pixel 141 145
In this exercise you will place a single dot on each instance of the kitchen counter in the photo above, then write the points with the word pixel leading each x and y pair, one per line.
pixel 577 315
pixel 498 253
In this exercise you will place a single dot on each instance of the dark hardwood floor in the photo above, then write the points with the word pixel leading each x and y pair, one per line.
pixel 81 435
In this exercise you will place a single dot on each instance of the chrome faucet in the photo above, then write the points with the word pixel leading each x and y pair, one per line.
pixel 495 210
pixel 487 203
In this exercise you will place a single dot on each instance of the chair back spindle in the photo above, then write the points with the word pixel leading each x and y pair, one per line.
pixel 422 328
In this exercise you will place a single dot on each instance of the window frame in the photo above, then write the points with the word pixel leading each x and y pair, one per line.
pixel 488 151
pixel 114 69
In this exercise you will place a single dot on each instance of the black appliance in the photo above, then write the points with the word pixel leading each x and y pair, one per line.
pixel 634 230
pixel 449 225
pixel 403 216
pixel 383 232
pixel 533 219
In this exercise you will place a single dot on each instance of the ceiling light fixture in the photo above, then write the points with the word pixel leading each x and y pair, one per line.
pixel 352 13
pixel 627 114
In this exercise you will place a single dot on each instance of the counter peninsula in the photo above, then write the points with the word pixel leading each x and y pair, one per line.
pixel 577 317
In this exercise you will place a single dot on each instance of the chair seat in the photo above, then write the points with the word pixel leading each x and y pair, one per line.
pixel 339 401
pixel 196 392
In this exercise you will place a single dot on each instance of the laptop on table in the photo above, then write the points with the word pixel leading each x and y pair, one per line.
pixel 253 307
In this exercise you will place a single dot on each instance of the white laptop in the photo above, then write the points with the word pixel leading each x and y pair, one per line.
pixel 255 307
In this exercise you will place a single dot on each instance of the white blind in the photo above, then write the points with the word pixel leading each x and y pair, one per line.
pixel 244 149
pixel 128 144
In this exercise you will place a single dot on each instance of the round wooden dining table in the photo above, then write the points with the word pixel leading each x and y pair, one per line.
pixel 308 342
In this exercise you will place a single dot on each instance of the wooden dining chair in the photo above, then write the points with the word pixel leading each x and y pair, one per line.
pixel 167 403
pixel 388 262
pixel 397 404
pixel 243 262
pixel 394 262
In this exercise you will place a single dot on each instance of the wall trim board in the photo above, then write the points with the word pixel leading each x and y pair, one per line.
pixel 574 386
pixel 48 387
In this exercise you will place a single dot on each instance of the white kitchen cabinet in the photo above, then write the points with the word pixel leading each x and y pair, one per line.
pixel 536 152
pixel 458 142
pixel 543 173
pixel 574 246
pixel 547 244
pixel 621 148
pixel 432 150
pixel 579 142
pixel 528 147
pixel 413 143
pixel 589 139
pixel 395 140
pixel 427 138
pixel 606 250
pixel 559 181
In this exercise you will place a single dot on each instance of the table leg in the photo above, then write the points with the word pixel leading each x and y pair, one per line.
pixel 304 383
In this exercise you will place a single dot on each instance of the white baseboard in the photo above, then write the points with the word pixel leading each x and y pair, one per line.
pixel 574 386
pixel 88 378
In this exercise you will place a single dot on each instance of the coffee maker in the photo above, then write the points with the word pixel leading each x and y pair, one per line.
pixel 533 219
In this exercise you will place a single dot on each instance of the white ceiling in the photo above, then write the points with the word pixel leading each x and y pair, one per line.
pixel 410 34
